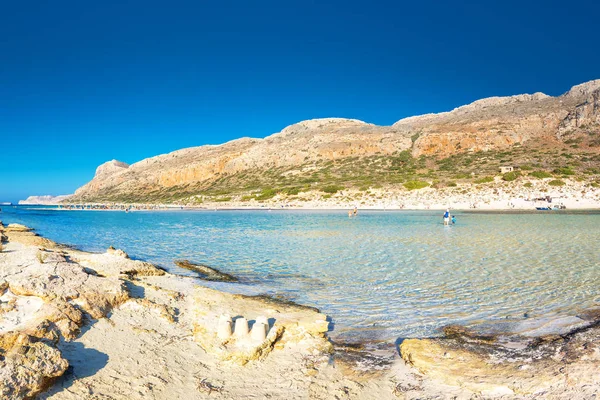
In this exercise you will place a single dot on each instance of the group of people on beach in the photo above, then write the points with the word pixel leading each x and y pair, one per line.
pixel 449 219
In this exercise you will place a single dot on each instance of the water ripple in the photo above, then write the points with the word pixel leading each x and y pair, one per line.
pixel 382 275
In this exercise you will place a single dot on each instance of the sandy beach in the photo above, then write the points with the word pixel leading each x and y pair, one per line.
pixel 497 195
pixel 494 196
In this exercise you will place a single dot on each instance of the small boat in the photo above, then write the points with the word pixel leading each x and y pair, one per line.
pixel 554 207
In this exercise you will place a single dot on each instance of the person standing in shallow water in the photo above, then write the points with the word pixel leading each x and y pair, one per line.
pixel 447 217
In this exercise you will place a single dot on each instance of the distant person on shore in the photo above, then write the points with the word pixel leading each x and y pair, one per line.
pixel 447 217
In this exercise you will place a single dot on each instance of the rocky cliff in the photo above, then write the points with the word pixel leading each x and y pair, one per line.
pixel 500 122
pixel 491 124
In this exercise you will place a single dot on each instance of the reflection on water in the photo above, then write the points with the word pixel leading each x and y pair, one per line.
pixel 381 275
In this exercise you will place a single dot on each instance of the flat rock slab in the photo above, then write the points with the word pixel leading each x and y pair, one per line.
pixel 205 272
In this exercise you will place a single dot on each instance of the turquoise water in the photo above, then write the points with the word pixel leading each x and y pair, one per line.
pixel 381 275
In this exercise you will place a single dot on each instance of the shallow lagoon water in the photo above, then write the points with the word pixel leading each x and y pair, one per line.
pixel 381 275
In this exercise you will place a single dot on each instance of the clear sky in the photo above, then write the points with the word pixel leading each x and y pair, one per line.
pixel 83 82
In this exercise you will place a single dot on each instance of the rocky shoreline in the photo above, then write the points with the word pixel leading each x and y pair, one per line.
pixel 78 325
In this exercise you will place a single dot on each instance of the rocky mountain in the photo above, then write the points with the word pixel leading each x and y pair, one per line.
pixel 299 150
pixel 44 200
pixel 500 122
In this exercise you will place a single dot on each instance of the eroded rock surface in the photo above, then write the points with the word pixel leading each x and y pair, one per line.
pixel 558 366
pixel 28 366
pixel 45 298
pixel 115 262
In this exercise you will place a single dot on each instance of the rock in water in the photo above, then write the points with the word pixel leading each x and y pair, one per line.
pixel 17 228
pixel 207 273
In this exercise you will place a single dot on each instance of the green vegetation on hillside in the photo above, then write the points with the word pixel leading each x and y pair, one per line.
pixel 556 182
pixel 413 185
pixel 510 176
pixel 485 179
pixel 540 174
pixel 333 177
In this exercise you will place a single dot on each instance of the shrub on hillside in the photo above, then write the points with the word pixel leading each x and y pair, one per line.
pixel 485 179
pixel 556 182
pixel 332 189
pixel 540 174
pixel 266 194
pixel 293 191
pixel 404 156
pixel 564 171
pixel 510 176
pixel 413 185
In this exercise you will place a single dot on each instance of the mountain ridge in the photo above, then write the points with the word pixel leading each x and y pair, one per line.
pixel 489 124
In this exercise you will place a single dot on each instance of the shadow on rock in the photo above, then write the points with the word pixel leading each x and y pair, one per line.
pixel 135 291
pixel 83 362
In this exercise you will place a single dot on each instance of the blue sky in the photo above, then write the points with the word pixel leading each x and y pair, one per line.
pixel 85 82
